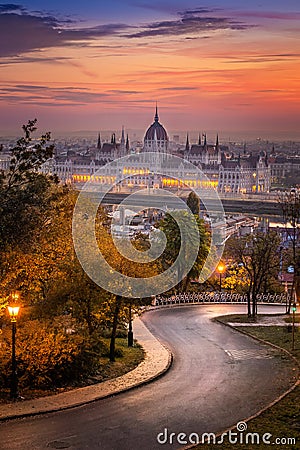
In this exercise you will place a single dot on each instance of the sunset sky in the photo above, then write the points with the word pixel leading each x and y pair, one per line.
pixel 214 65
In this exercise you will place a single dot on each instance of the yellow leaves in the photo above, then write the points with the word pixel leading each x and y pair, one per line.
pixel 46 356
pixel 50 250
pixel 236 279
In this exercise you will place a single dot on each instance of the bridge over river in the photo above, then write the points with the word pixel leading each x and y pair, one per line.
pixel 258 207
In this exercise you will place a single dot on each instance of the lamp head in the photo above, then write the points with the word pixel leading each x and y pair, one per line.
pixel 221 268
pixel 13 312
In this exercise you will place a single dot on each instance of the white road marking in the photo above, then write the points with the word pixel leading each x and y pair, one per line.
pixel 249 354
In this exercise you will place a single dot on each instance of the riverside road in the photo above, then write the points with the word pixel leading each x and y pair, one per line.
pixel 218 378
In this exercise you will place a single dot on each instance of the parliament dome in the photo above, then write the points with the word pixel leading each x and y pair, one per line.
pixel 156 131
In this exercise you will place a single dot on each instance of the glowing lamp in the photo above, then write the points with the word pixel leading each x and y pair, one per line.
pixel 221 268
pixel 13 312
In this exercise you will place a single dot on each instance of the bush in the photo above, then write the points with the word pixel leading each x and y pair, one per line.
pixel 121 333
pixel 119 353
pixel 47 358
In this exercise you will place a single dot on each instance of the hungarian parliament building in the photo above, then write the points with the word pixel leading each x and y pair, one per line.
pixel 110 163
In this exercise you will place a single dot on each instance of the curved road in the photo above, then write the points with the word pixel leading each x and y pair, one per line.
pixel 218 378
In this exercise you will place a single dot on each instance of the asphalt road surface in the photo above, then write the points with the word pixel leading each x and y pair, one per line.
pixel 218 378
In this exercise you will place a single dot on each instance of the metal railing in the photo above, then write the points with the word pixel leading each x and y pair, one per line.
pixel 216 297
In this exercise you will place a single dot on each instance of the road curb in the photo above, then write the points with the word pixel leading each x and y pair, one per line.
pixel 159 351
pixel 260 340
pixel 269 405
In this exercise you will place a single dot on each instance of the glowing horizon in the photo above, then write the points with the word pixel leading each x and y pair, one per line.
pixel 221 66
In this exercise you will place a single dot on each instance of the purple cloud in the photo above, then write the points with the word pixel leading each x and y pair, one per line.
pixel 41 95
pixel 10 7
pixel 22 32
pixel 279 15
pixel 191 22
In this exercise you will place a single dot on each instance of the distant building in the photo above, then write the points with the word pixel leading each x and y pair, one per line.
pixel 156 138
pixel 4 161
pixel 204 155
pixel 281 165
pixel 226 172
pixel 247 174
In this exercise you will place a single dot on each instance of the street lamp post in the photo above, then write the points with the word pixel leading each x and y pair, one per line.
pixel 130 332
pixel 221 268
pixel 286 290
pixel 13 313
pixel 293 328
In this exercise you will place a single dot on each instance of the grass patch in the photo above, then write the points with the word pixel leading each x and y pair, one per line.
pixel 243 318
pixel 132 356
pixel 278 335
pixel 290 319
pixel 283 419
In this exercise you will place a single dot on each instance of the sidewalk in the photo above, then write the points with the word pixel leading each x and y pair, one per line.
pixel 271 321
pixel 157 361
pixel 261 324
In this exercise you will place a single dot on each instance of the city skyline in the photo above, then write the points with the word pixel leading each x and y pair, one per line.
pixel 210 66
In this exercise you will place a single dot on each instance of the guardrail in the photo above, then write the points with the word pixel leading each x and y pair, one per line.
pixel 216 297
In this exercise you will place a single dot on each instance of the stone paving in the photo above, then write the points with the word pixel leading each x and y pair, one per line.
pixel 157 361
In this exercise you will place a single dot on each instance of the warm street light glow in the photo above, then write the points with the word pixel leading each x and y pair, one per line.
pixel 221 268
pixel 13 312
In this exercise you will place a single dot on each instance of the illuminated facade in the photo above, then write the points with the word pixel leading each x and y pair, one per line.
pixel 250 174
pixel 224 172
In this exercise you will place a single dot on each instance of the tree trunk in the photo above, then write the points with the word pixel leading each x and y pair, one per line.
pixel 291 296
pixel 89 316
pixel 254 305
pixel 296 278
pixel 249 303
pixel 114 329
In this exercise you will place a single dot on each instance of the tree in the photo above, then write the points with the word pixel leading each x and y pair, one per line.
pixel 26 197
pixel 290 206
pixel 25 192
pixel 34 268
pixel 193 203
pixel 37 257
pixel 125 266
pixel 236 278
pixel 192 237
pixel 260 256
